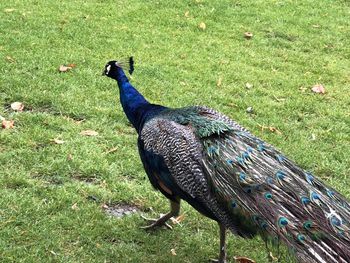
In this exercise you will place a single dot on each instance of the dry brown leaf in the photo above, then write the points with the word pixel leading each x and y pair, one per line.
pixel 187 14
pixel 64 68
pixel 17 106
pixel 173 252
pixel 243 260
pixel 178 219
pixel 8 124
pixel 10 59
pixel 274 129
pixel 202 26
pixel 318 88
pixel 58 141
pixel 75 206
pixel 248 35
pixel 219 82
pixel 89 133
pixel 270 128
pixel 71 65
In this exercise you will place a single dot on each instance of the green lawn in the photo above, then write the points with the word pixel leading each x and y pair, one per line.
pixel 52 194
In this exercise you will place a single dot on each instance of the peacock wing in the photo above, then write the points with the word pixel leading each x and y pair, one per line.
pixel 173 138
pixel 181 152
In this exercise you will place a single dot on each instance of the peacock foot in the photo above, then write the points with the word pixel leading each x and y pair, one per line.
pixel 154 223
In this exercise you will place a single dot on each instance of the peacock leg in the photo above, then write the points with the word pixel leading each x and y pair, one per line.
pixel 174 211
pixel 222 254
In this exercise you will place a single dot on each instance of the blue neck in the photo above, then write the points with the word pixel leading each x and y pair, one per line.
pixel 135 106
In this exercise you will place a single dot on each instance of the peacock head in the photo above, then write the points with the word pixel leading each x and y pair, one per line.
pixel 112 68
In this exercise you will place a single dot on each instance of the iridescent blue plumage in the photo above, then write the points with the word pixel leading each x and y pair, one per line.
pixel 201 156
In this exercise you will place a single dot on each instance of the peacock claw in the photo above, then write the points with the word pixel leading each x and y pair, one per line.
pixel 155 223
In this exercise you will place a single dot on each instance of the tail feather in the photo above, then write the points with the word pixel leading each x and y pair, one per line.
pixel 284 201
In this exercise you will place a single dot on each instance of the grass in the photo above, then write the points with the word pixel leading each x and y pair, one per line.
pixel 46 214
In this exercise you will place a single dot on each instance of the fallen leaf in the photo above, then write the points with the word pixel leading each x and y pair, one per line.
pixel 69 157
pixel 250 110
pixel 318 88
pixel 202 25
pixel 274 129
pixel 248 35
pixel 272 257
pixel 173 252
pixel 248 85
pixel 58 141
pixel 178 219
pixel 89 133
pixel 8 124
pixel 17 106
pixel 64 68
pixel 270 128
pixel 104 206
pixel 75 206
pixel 9 10
pixel 187 14
pixel 10 59
pixel 79 121
pixel 231 104
pixel 219 82
pixel 114 149
pixel 243 260
pixel 71 65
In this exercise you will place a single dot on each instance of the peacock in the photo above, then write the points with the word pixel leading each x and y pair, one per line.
pixel 229 175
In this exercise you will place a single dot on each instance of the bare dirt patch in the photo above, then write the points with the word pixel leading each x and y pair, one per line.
pixel 120 210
